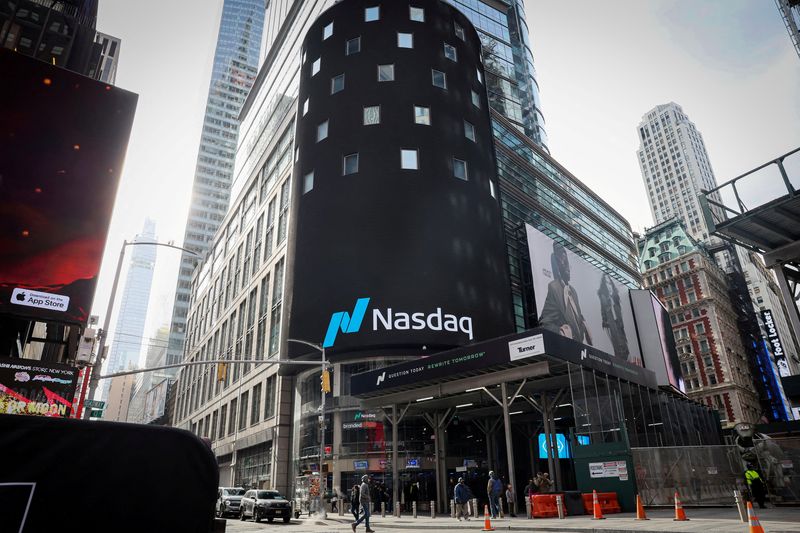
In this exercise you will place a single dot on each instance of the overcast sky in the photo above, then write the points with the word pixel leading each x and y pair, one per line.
pixel 600 67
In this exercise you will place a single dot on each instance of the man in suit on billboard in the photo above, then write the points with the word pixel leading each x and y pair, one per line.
pixel 561 312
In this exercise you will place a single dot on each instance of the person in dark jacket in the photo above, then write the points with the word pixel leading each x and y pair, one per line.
pixel 461 499
pixel 355 500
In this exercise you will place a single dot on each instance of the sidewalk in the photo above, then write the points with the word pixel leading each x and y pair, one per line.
pixel 716 520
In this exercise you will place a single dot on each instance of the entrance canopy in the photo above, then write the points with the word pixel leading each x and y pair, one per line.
pixel 538 355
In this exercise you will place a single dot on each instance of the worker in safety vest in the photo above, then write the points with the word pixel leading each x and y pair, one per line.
pixel 758 490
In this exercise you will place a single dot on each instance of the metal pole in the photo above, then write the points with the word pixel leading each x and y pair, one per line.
pixel 103 333
pixel 788 300
pixel 323 479
pixel 395 473
pixel 509 444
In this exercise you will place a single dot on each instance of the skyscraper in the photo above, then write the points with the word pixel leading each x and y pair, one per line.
pixel 675 168
pixel 128 339
pixel 790 12
pixel 235 67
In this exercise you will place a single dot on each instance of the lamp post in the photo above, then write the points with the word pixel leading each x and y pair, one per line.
pixel 101 353
pixel 323 512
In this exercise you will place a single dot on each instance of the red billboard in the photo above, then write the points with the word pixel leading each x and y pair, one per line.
pixel 62 144
pixel 30 387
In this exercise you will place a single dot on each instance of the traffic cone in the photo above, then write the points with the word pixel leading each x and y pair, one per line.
pixel 640 514
pixel 487 522
pixel 755 525
pixel 680 514
pixel 596 509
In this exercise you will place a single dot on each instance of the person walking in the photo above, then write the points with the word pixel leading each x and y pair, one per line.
pixel 366 500
pixel 758 491
pixel 461 498
pixel 355 499
pixel 493 490
pixel 511 499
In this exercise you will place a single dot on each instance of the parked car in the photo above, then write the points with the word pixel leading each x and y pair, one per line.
pixel 269 504
pixel 228 501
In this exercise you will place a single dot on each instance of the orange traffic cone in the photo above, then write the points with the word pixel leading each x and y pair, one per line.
pixel 640 515
pixel 487 522
pixel 680 514
pixel 596 509
pixel 755 525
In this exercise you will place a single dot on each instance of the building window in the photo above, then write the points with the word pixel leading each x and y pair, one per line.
pixel 703 345
pixel 255 410
pixel 308 182
pixel 439 79
pixel 353 46
pixel 417 14
pixel 700 328
pixel 315 66
pixel 350 164
pixel 269 397
pixel 371 14
pixel 327 31
pixel 385 72
pixel 232 421
pixel 460 169
pixel 322 131
pixel 409 159
pixel 450 52
pixel 476 99
pixel 305 107
pixel 422 115
pixel 469 131
pixel 337 83
pixel 243 411
pixel 405 40
pixel 372 115
pixel 459 31
pixel 492 189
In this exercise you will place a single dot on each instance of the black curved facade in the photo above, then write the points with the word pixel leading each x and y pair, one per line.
pixel 410 240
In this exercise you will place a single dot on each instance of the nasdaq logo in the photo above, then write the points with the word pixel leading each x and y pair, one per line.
pixel 347 323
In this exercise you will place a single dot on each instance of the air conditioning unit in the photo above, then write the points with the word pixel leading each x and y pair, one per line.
pixel 86 346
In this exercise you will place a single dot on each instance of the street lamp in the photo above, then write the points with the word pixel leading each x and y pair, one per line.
pixel 101 354
pixel 325 388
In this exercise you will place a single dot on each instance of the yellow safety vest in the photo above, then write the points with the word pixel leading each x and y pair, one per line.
pixel 750 476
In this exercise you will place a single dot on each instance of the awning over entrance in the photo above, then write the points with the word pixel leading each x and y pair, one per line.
pixel 536 353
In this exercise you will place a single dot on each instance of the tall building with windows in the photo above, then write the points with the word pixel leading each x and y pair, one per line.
pixel 109 57
pixel 675 169
pixel 235 66
pixel 128 339
pixel 341 104
pixel 790 13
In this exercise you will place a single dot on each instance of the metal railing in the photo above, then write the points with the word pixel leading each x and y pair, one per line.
pixel 759 186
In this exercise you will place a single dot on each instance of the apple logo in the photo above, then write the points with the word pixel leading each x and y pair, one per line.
pixel 21 297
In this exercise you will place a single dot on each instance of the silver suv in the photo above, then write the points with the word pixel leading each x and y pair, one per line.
pixel 228 500
pixel 267 504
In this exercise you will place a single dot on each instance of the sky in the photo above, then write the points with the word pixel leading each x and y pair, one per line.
pixel 600 66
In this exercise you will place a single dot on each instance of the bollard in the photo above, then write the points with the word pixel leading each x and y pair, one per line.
pixel 340 507
pixel 383 509
pixel 560 506
pixel 452 508
pixel 501 506
pixel 528 509
pixel 414 509
pixel 433 509
pixel 475 507
pixel 397 509
pixel 740 505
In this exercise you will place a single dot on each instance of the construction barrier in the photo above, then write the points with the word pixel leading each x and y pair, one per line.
pixel 544 505
pixel 608 502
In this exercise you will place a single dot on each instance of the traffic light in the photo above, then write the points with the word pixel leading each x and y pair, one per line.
pixel 325 380
pixel 222 371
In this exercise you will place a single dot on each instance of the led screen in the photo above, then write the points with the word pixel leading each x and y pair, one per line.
pixel 561 444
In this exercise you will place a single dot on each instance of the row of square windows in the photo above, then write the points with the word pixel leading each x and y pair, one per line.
pixel 386 73
pixel 409 160
pixel 373 14
pixel 372 116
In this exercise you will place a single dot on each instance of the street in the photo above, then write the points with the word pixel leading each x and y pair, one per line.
pixel 705 520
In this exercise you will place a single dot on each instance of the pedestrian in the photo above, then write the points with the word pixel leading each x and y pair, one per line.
pixel 545 484
pixel 366 500
pixel 493 490
pixel 755 483
pixel 461 499
pixel 529 489
pixel 355 499
pixel 511 499
pixel 334 501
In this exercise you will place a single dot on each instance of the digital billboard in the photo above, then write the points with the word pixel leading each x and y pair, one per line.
pixel 579 301
pixel 155 401
pixel 562 445
pixel 656 338
pixel 31 387
pixel 64 138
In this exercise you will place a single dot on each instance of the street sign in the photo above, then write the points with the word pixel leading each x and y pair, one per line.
pixel 94 404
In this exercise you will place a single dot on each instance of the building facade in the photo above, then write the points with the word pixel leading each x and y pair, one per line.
pixel 675 169
pixel 128 339
pixel 109 57
pixel 716 366
pixel 262 421
pixel 790 13
pixel 235 66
